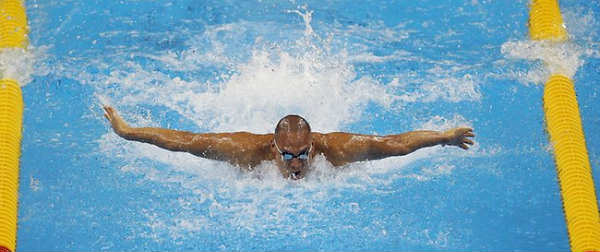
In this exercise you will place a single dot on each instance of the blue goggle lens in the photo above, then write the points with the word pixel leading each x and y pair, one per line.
pixel 288 156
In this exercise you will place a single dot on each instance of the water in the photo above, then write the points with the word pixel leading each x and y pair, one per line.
pixel 378 67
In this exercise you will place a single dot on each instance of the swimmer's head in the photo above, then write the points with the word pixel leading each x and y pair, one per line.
pixel 293 144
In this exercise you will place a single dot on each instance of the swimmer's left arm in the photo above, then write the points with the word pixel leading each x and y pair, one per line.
pixel 346 148
pixel 405 143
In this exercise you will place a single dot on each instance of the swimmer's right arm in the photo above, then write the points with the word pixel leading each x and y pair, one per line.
pixel 237 148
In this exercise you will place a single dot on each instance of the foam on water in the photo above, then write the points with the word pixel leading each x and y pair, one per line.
pixel 245 75
pixel 251 86
pixel 303 78
pixel 557 57
pixel 21 64
pixel 261 202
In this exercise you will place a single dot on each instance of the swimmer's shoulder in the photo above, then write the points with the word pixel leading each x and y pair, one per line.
pixel 252 139
pixel 331 136
pixel 340 142
pixel 326 141
pixel 331 146
pixel 252 149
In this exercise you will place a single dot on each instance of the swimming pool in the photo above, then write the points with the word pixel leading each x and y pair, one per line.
pixel 378 67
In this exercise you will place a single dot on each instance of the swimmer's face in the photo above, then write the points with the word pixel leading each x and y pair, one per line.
pixel 293 154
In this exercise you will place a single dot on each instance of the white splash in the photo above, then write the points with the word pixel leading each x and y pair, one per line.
pixel 563 58
pixel 20 64
pixel 441 123
pixel 252 93
pixel 307 17
pixel 303 79
pixel 558 58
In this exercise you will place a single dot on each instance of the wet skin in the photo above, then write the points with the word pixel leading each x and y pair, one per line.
pixel 293 136
pixel 295 168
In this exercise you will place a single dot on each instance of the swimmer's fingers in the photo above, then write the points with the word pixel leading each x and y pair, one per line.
pixel 469 134
pixel 106 112
pixel 460 137
pixel 465 132
pixel 110 113
pixel 117 123
pixel 468 141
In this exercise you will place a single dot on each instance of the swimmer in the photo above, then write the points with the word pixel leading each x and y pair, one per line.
pixel 293 146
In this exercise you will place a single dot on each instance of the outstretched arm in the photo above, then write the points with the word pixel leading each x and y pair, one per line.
pixel 241 148
pixel 342 148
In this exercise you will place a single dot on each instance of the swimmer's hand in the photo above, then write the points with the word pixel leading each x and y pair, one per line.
pixel 459 137
pixel 118 124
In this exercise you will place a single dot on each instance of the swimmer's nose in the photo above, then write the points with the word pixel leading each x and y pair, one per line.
pixel 296 164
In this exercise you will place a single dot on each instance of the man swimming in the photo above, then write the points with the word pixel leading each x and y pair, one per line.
pixel 292 147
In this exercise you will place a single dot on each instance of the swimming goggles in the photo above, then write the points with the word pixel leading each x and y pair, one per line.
pixel 289 156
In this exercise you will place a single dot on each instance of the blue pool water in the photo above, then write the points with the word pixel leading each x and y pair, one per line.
pixel 372 67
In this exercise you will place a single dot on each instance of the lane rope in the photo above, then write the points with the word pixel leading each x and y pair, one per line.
pixel 564 126
pixel 13 34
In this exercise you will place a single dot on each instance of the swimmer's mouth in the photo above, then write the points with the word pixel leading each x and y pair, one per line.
pixel 296 175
